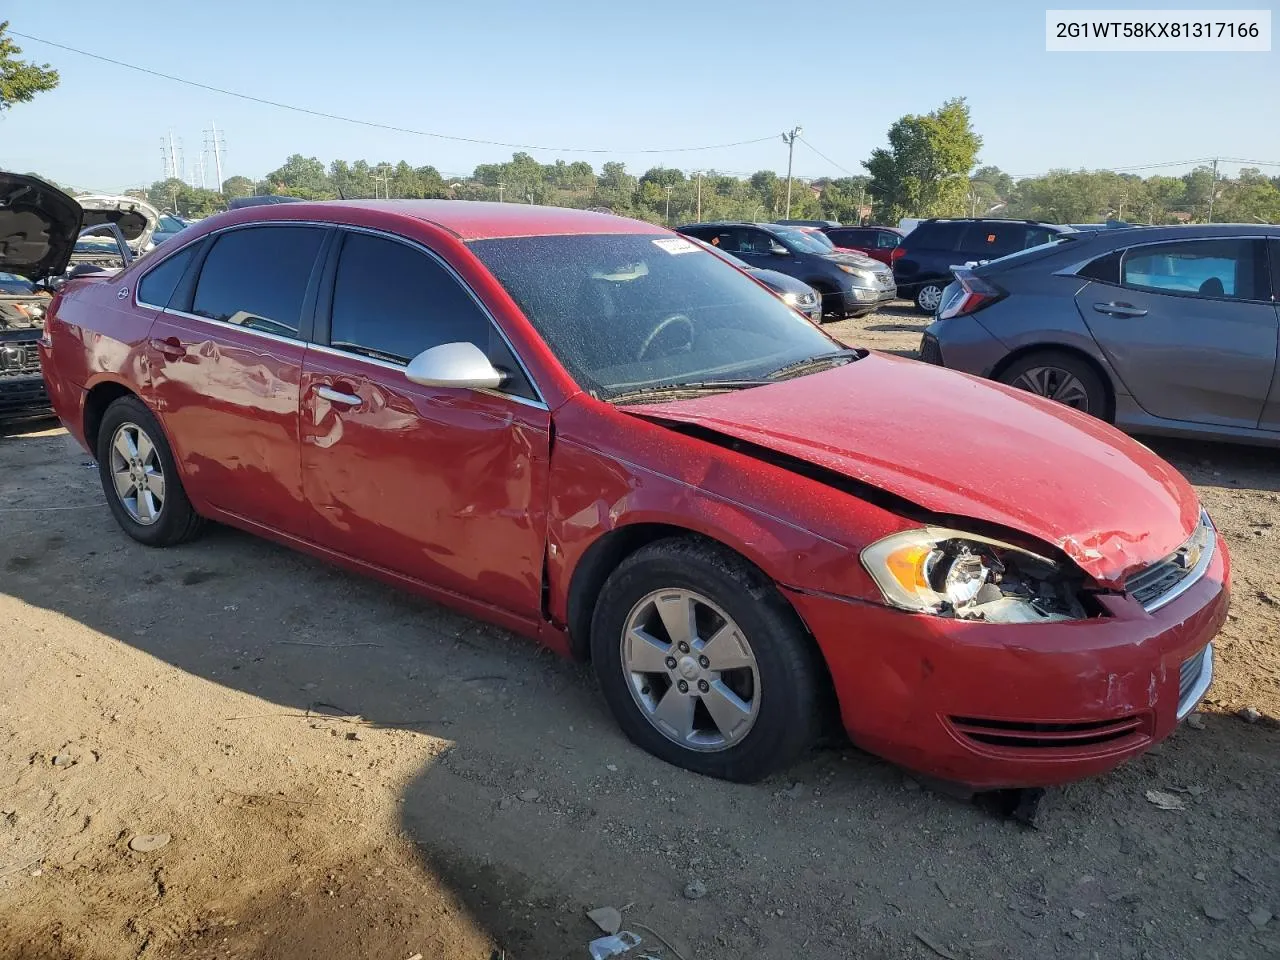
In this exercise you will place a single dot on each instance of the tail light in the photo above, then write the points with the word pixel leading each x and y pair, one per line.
pixel 975 293
pixel 896 254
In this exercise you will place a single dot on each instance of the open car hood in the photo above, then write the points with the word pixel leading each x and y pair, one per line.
pixel 136 218
pixel 958 447
pixel 38 227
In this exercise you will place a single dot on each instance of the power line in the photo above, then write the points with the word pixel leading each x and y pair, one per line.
pixel 846 170
pixel 374 124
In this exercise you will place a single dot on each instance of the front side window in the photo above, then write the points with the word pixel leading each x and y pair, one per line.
pixel 887 241
pixel 1230 269
pixel 156 288
pixel 257 277
pixel 630 312
pixel 391 302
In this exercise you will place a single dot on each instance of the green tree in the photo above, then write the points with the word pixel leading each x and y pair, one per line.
pixel 1001 183
pixel 842 197
pixel 20 80
pixel 234 187
pixel 302 177
pixel 924 172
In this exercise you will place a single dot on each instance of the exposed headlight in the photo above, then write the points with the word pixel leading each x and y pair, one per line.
pixel 790 298
pixel 950 573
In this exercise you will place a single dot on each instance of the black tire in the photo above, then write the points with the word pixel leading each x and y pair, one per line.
pixel 176 522
pixel 792 684
pixel 832 305
pixel 924 295
pixel 1022 373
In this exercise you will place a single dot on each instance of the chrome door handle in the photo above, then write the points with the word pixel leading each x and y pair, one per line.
pixel 337 396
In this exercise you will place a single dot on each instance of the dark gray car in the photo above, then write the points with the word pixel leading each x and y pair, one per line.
pixel 1162 330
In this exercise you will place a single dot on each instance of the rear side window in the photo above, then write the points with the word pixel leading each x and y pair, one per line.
pixel 1105 269
pixel 850 238
pixel 1231 269
pixel 257 277
pixel 987 241
pixel 937 236
pixel 156 288
pixel 887 241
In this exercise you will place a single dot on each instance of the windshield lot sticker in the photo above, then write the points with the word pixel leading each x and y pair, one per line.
pixel 674 245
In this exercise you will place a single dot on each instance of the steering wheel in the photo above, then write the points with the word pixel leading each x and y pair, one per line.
pixel 657 331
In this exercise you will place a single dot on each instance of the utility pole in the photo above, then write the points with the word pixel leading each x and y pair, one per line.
pixel 790 140
pixel 215 143
pixel 668 204
pixel 698 215
pixel 1213 187
pixel 1120 213
pixel 501 187
pixel 199 171
pixel 861 191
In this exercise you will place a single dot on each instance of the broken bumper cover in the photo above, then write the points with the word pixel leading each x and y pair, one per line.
pixel 999 705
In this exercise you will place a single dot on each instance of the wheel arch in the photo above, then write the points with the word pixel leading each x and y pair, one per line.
pixel 1108 384
pixel 100 396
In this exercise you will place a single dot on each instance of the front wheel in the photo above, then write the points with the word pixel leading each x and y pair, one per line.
pixel 928 297
pixel 140 478
pixel 703 663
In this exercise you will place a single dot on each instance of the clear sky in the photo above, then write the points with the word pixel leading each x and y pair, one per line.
pixel 618 77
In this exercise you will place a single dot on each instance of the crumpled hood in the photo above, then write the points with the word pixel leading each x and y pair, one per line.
pixel 955 444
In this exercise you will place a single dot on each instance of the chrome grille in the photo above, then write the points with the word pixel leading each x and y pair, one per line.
pixel 1194 677
pixel 19 359
pixel 1167 579
pixel 808 299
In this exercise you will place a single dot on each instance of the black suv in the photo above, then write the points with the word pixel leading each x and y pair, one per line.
pixel 851 285
pixel 922 268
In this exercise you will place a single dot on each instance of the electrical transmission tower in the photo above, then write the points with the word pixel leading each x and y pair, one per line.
pixel 215 143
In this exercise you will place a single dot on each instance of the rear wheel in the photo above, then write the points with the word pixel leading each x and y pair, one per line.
pixel 703 663
pixel 1061 377
pixel 140 478
pixel 928 297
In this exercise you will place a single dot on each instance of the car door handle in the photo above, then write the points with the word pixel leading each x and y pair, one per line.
pixel 1116 309
pixel 337 396
pixel 169 347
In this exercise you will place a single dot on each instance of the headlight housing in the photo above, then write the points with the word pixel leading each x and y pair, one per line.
pixel 790 299
pixel 950 573
pixel 861 278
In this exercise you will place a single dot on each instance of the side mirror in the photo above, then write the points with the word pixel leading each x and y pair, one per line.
pixel 778 250
pixel 461 365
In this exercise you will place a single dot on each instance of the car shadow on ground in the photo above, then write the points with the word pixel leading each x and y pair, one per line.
pixel 1229 466
pixel 541 808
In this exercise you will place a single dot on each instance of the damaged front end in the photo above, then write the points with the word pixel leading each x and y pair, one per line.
pixel 954 574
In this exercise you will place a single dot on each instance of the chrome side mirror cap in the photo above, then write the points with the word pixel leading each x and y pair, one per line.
pixel 460 365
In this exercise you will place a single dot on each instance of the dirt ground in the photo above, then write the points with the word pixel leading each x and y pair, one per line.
pixel 344 772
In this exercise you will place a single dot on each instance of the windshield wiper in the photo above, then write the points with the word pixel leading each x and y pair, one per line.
pixel 666 389
pixel 818 362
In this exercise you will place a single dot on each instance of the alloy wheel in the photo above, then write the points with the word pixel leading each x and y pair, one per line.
pixel 137 474
pixel 690 670
pixel 1056 384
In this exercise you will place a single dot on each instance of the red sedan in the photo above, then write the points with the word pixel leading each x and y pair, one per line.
pixel 588 430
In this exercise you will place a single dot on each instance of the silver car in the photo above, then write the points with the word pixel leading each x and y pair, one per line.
pixel 1160 330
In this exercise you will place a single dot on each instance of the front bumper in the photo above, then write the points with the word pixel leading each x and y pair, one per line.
pixel 864 299
pixel 22 388
pixel 993 706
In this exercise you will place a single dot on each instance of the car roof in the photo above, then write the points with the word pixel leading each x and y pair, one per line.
pixel 466 219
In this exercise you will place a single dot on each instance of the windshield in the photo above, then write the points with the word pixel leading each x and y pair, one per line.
pixel 801 240
pixel 170 224
pixel 628 312
pixel 820 238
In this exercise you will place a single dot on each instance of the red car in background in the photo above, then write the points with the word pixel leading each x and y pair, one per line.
pixel 592 432
pixel 880 243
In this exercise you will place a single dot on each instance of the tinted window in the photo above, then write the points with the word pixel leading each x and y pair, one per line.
pixel 624 312
pixel 391 302
pixel 799 241
pixel 850 238
pixel 157 286
pixel 257 278
pixel 886 240
pixel 1105 269
pixel 937 236
pixel 1207 268
pixel 987 241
